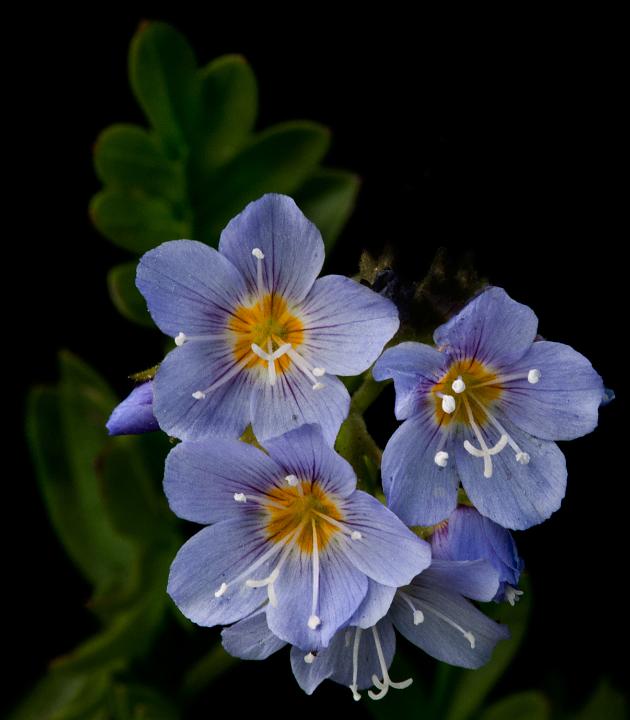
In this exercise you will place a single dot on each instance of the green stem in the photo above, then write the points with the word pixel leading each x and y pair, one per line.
pixel 206 671
pixel 366 393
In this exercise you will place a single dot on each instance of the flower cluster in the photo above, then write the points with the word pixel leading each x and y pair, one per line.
pixel 292 553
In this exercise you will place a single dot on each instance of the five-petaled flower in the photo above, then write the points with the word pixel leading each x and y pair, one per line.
pixel 468 535
pixel 260 339
pixel 431 612
pixel 289 533
pixel 483 408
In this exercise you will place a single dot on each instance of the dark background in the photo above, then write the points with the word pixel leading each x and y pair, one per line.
pixel 508 143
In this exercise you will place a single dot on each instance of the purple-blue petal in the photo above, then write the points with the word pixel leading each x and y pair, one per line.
pixel 346 325
pixel 134 415
pixel 221 553
pixel 415 368
pixel 292 246
pixel 418 490
pixel 564 403
pixel 251 638
pixel 225 411
pixel 475 579
pixel 303 452
pixel 492 328
pixel 189 287
pixel 517 496
pixel 342 587
pixel 375 605
pixel 201 479
pixel 292 402
pixel 385 550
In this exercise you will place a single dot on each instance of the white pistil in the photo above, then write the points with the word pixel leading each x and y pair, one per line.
pixel 270 357
pixel 234 370
pixel 466 633
pixel 355 664
pixel 521 457
pixel 314 621
pixel 260 256
pixel 458 385
pixel 533 376
pixel 308 658
pixel 485 452
pixel 180 339
pixel 240 497
pixel 448 404
pixel 418 615
pixel 387 682
pixel 221 590
pixel 441 458
pixel 271 363
pixel 512 595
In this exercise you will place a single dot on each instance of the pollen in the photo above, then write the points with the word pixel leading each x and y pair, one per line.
pixel 305 505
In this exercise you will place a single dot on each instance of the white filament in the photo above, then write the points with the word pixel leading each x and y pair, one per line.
pixel 355 664
pixel 387 682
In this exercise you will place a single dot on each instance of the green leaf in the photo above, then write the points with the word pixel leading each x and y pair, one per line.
pixel 606 702
pixel 135 221
pixel 135 702
pixel 204 672
pixel 278 160
pixel 229 103
pixel 59 696
pixel 66 431
pixel 531 705
pixel 128 157
pixel 164 79
pixel 473 686
pixel 121 282
pixel 327 199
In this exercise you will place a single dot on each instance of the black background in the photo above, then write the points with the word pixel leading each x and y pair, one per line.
pixel 505 142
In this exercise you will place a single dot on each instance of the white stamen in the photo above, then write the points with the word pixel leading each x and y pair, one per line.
pixel 418 617
pixel 308 659
pixel 234 370
pixel 448 404
pixel 441 458
pixel 533 376
pixel 310 373
pixel 387 682
pixel 258 254
pixel 180 339
pixel 466 633
pixel 318 386
pixel 319 371
pixel 199 395
pixel 355 663
pixel 522 458
pixel 221 590
pixel 356 535
pixel 291 480
pixel 458 385
pixel 512 595
pixel 240 497
pixel 314 621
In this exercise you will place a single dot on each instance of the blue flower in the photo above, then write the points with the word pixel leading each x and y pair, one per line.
pixel 484 408
pixel 134 415
pixel 289 533
pixel 431 612
pixel 260 339
pixel 467 535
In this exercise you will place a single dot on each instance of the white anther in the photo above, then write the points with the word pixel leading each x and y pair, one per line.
pixel 418 617
pixel 533 376
pixel 318 386
pixel 522 458
pixel 291 480
pixel 471 639
pixel 180 339
pixel 258 254
pixel 441 458
pixel 319 371
pixel 512 595
pixel 240 497
pixel 221 590
pixel 355 694
pixel 314 622
pixel 199 394
pixel 308 659
pixel 458 385
pixel 448 404
pixel 356 535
